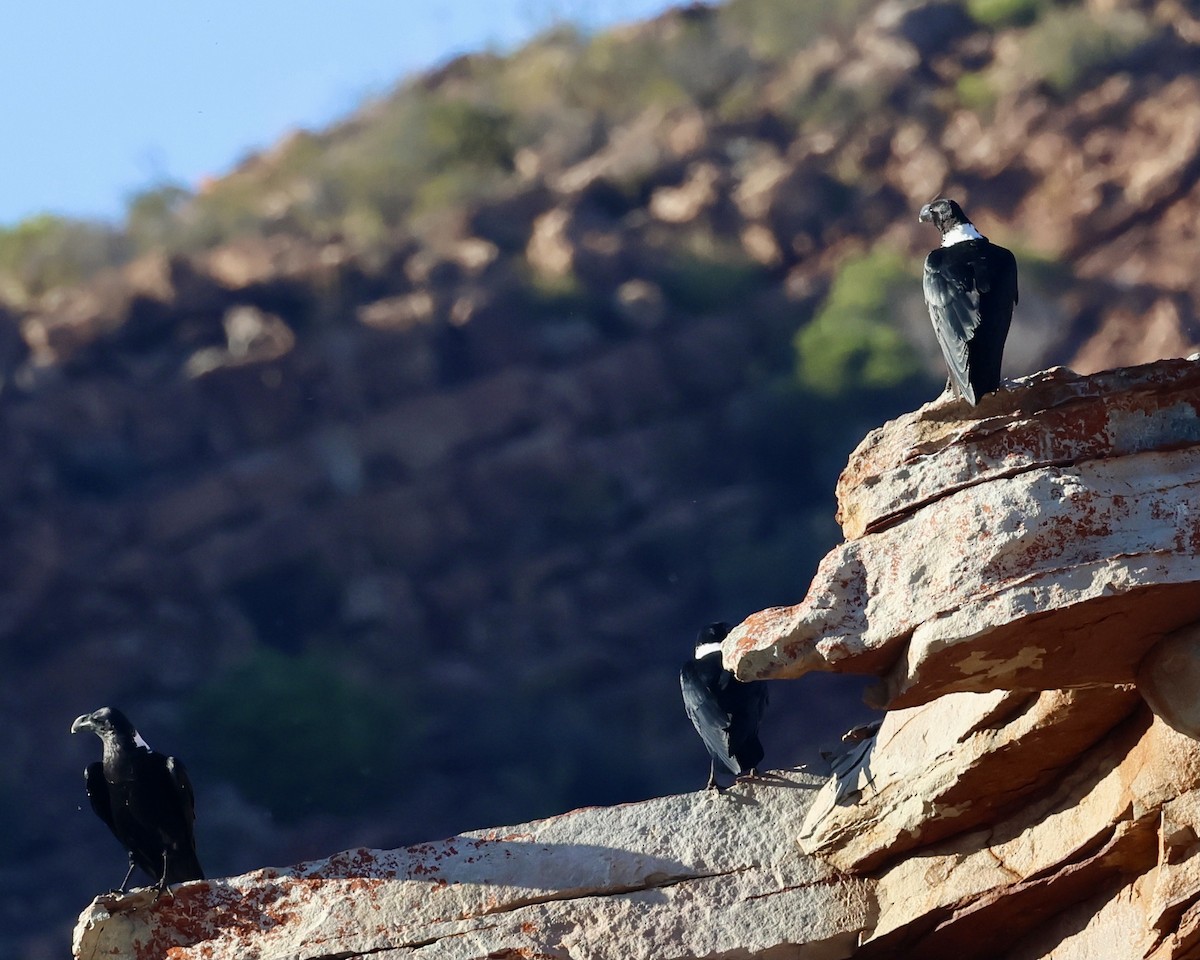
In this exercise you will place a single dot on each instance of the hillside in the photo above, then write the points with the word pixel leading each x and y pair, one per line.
pixel 387 479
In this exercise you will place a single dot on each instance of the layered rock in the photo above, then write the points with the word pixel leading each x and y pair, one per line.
pixel 999 547
pixel 1040 808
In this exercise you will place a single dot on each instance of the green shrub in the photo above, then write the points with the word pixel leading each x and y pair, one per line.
pixel 775 29
pixel 300 737
pixel 1005 13
pixel 840 105
pixel 619 77
pixel 853 341
pixel 47 251
pixel 418 152
pixel 453 187
pixel 977 91
pixel 1038 271
pixel 677 60
pixel 1068 44
pixel 532 78
pixel 464 133
pixel 554 296
pixel 152 217
pixel 708 273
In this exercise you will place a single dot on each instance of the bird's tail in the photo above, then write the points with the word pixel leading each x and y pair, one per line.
pixel 184 866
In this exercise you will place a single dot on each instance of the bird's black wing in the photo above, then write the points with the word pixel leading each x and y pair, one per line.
pixel 744 703
pixel 97 791
pixel 953 301
pixel 996 272
pixel 707 715
pixel 183 788
pixel 182 862
pixel 996 280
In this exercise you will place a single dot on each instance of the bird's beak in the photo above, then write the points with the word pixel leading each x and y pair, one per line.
pixel 926 213
pixel 83 723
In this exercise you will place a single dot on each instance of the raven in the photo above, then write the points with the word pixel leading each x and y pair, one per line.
pixel 724 711
pixel 145 798
pixel 970 289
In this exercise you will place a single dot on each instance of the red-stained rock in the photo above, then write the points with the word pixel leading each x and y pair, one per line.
pixel 1046 542
pixel 693 875
pixel 1054 417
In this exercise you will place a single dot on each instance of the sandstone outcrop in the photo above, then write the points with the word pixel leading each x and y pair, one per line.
pixel 999 548
pixel 1044 808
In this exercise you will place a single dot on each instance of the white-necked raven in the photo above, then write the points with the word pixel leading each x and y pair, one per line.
pixel 970 289
pixel 724 711
pixel 145 798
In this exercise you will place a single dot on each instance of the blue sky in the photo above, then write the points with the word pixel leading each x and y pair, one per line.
pixel 99 100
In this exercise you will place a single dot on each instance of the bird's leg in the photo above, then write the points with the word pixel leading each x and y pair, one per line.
pixel 128 874
pixel 753 774
pixel 161 887
pixel 712 777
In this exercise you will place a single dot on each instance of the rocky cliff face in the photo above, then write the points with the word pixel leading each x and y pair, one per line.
pixel 1025 577
pixel 1060 519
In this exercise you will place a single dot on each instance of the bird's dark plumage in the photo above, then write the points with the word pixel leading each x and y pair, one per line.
pixel 145 798
pixel 970 289
pixel 724 711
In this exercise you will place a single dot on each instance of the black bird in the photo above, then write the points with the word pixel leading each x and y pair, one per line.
pixel 970 289
pixel 145 798
pixel 724 711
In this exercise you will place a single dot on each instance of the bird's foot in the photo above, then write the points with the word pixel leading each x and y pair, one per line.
pixel 712 778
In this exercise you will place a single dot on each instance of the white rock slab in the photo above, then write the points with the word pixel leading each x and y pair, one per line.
pixel 1054 578
pixel 692 875
pixel 1052 417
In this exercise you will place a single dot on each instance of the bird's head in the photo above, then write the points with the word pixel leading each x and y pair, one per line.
pixel 943 214
pixel 109 724
pixel 708 640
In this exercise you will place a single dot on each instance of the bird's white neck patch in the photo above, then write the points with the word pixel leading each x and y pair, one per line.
pixel 705 649
pixel 137 739
pixel 960 234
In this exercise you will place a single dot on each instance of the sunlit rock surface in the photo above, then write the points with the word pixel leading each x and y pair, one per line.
pixel 951 765
pixel 1003 546
pixel 694 875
